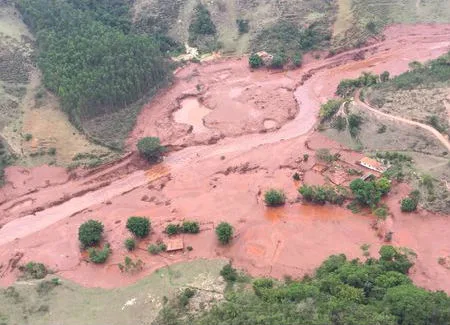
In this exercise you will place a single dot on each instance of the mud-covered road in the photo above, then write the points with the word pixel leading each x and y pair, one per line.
pixel 220 174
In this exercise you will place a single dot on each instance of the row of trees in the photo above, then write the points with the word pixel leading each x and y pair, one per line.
pixel 89 57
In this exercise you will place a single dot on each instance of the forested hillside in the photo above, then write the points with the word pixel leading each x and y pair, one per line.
pixel 90 57
pixel 343 292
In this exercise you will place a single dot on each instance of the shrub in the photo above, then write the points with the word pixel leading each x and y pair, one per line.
pixel 172 229
pixel 305 157
pixel 384 76
pixel 354 124
pixel 51 151
pixel 150 148
pixel 296 176
pixel 243 26
pixel 260 284
pixel 191 227
pixel 229 273
pixel 381 212
pixel 131 266
pixel 277 61
pixel 408 205
pixel 90 233
pixel 224 232
pixel 297 60
pixel 201 23
pixel 99 256
pixel 156 248
pixel 34 270
pixel 255 61
pixel 189 248
pixel 130 244
pixel 330 108
pixel 274 198
pixel 323 194
pixel 185 296
pixel 325 155
pixel 28 136
pixel 139 226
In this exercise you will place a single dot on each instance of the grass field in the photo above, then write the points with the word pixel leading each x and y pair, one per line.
pixel 35 303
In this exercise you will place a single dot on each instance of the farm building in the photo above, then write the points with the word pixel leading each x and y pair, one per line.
pixel 372 164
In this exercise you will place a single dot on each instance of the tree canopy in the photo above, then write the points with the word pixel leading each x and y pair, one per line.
pixel 342 291
pixel 89 57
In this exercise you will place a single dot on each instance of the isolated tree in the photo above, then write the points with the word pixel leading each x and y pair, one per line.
pixel 90 233
pixel 224 232
pixel 150 148
pixel 384 76
pixel 139 226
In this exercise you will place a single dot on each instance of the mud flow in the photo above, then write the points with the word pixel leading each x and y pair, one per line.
pixel 238 133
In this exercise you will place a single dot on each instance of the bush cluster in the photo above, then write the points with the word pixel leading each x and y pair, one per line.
pixel 369 193
pixel 187 227
pixel 150 148
pixel 274 198
pixel 229 273
pixel 224 232
pixel 330 108
pixel 139 226
pixel 99 256
pixel 155 249
pixel 90 233
pixel 322 194
pixel 255 61
pixel 34 270
pixel 130 244
pixel 347 87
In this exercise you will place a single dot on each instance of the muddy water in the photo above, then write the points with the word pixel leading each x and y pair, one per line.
pixel 192 112
pixel 290 240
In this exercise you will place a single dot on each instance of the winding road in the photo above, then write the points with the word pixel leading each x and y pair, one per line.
pixel 445 142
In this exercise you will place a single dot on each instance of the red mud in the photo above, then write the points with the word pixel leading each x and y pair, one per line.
pixel 225 181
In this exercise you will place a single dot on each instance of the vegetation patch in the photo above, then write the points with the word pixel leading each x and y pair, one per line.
pixel 274 198
pixel 139 226
pixel 202 29
pixel 117 71
pixel 224 232
pixel 342 291
pixel 322 194
pixel 90 233
pixel 150 148
pixel 286 40
pixel 99 256
pixel 34 270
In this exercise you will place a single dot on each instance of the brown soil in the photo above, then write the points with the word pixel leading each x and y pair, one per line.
pixel 225 181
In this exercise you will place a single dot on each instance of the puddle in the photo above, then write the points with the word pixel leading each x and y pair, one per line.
pixel 192 112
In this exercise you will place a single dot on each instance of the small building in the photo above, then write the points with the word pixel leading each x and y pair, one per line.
pixel 175 244
pixel 372 164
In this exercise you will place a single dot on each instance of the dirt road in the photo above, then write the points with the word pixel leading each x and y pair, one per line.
pixel 442 138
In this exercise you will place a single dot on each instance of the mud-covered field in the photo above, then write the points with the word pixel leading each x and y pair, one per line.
pixel 224 179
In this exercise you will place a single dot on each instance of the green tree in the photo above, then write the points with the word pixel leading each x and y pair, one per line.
pixel 366 193
pixel 408 204
pixel 383 185
pixel 150 148
pixel 274 197
pixel 90 233
pixel 139 226
pixel 255 61
pixel 224 232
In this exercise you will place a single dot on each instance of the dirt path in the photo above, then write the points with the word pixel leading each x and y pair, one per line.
pixel 445 142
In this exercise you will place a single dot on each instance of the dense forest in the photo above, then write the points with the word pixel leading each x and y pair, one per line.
pixel 91 57
pixel 342 292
